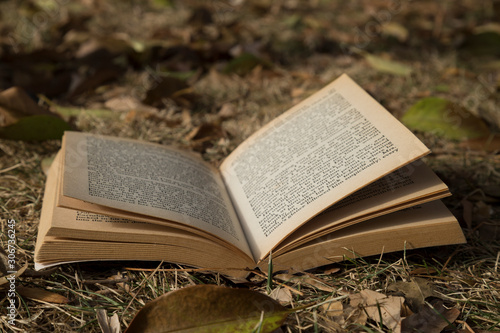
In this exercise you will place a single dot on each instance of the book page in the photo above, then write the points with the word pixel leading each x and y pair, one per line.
pixel 431 224
pixel 67 235
pixel 149 179
pixel 93 222
pixel 323 149
pixel 413 184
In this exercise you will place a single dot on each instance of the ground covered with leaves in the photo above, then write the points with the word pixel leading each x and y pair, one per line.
pixel 203 76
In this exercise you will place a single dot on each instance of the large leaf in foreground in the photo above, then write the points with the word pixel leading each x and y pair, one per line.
pixel 445 119
pixel 209 308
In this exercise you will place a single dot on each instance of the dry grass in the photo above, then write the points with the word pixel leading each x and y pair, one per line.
pixel 465 276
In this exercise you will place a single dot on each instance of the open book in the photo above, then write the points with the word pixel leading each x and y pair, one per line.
pixel 336 175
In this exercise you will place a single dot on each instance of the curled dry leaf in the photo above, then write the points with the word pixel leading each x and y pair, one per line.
pixel 334 309
pixel 15 103
pixel 108 324
pixel 22 119
pixel 433 318
pixel 41 295
pixel 415 291
pixel 282 295
pixel 227 110
pixel 209 308
pixel 379 307
pixel 165 87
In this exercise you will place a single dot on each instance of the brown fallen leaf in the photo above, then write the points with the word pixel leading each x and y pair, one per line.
pixel 15 103
pixel 41 295
pixel 205 132
pixel 433 318
pixel 415 291
pixel 108 324
pixel 355 315
pixel 227 110
pixel 93 78
pixel 164 87
pixel 487 144
pixel 334 309
pixel 282 295
pixel 395 30
pixel 332 270
pixel 22 119
pixel 379 307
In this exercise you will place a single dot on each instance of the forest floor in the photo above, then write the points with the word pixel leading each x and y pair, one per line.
pixel 203 76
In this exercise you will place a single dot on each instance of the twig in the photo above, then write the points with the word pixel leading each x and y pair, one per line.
pixel 11 168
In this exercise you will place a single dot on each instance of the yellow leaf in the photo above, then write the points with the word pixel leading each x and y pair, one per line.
pixel 41 295
pixel 209 308
pixel 387 66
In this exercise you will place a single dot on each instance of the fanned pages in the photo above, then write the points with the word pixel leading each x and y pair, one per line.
pixel 335 175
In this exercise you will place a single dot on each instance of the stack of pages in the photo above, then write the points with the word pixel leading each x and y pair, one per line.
pixel 337 175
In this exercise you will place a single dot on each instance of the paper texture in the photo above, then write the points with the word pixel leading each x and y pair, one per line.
pixel 330 145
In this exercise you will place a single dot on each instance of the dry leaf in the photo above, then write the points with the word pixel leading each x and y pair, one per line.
pixel 396 30
pixel 332 270
pixel 415 291
pixel 282 295
pixel 244 64
pixel 15 103
pixel 487 144
pixel 209 308
pixel 95 78
pixel 334 309
pixel 41 295
pixel 433 318
pixel 227 111
pixel 164 88
pixel 387 66
pixel 379 307
pixel 108 324
pixel 355 315
pixel 22 119
pixel 125 103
